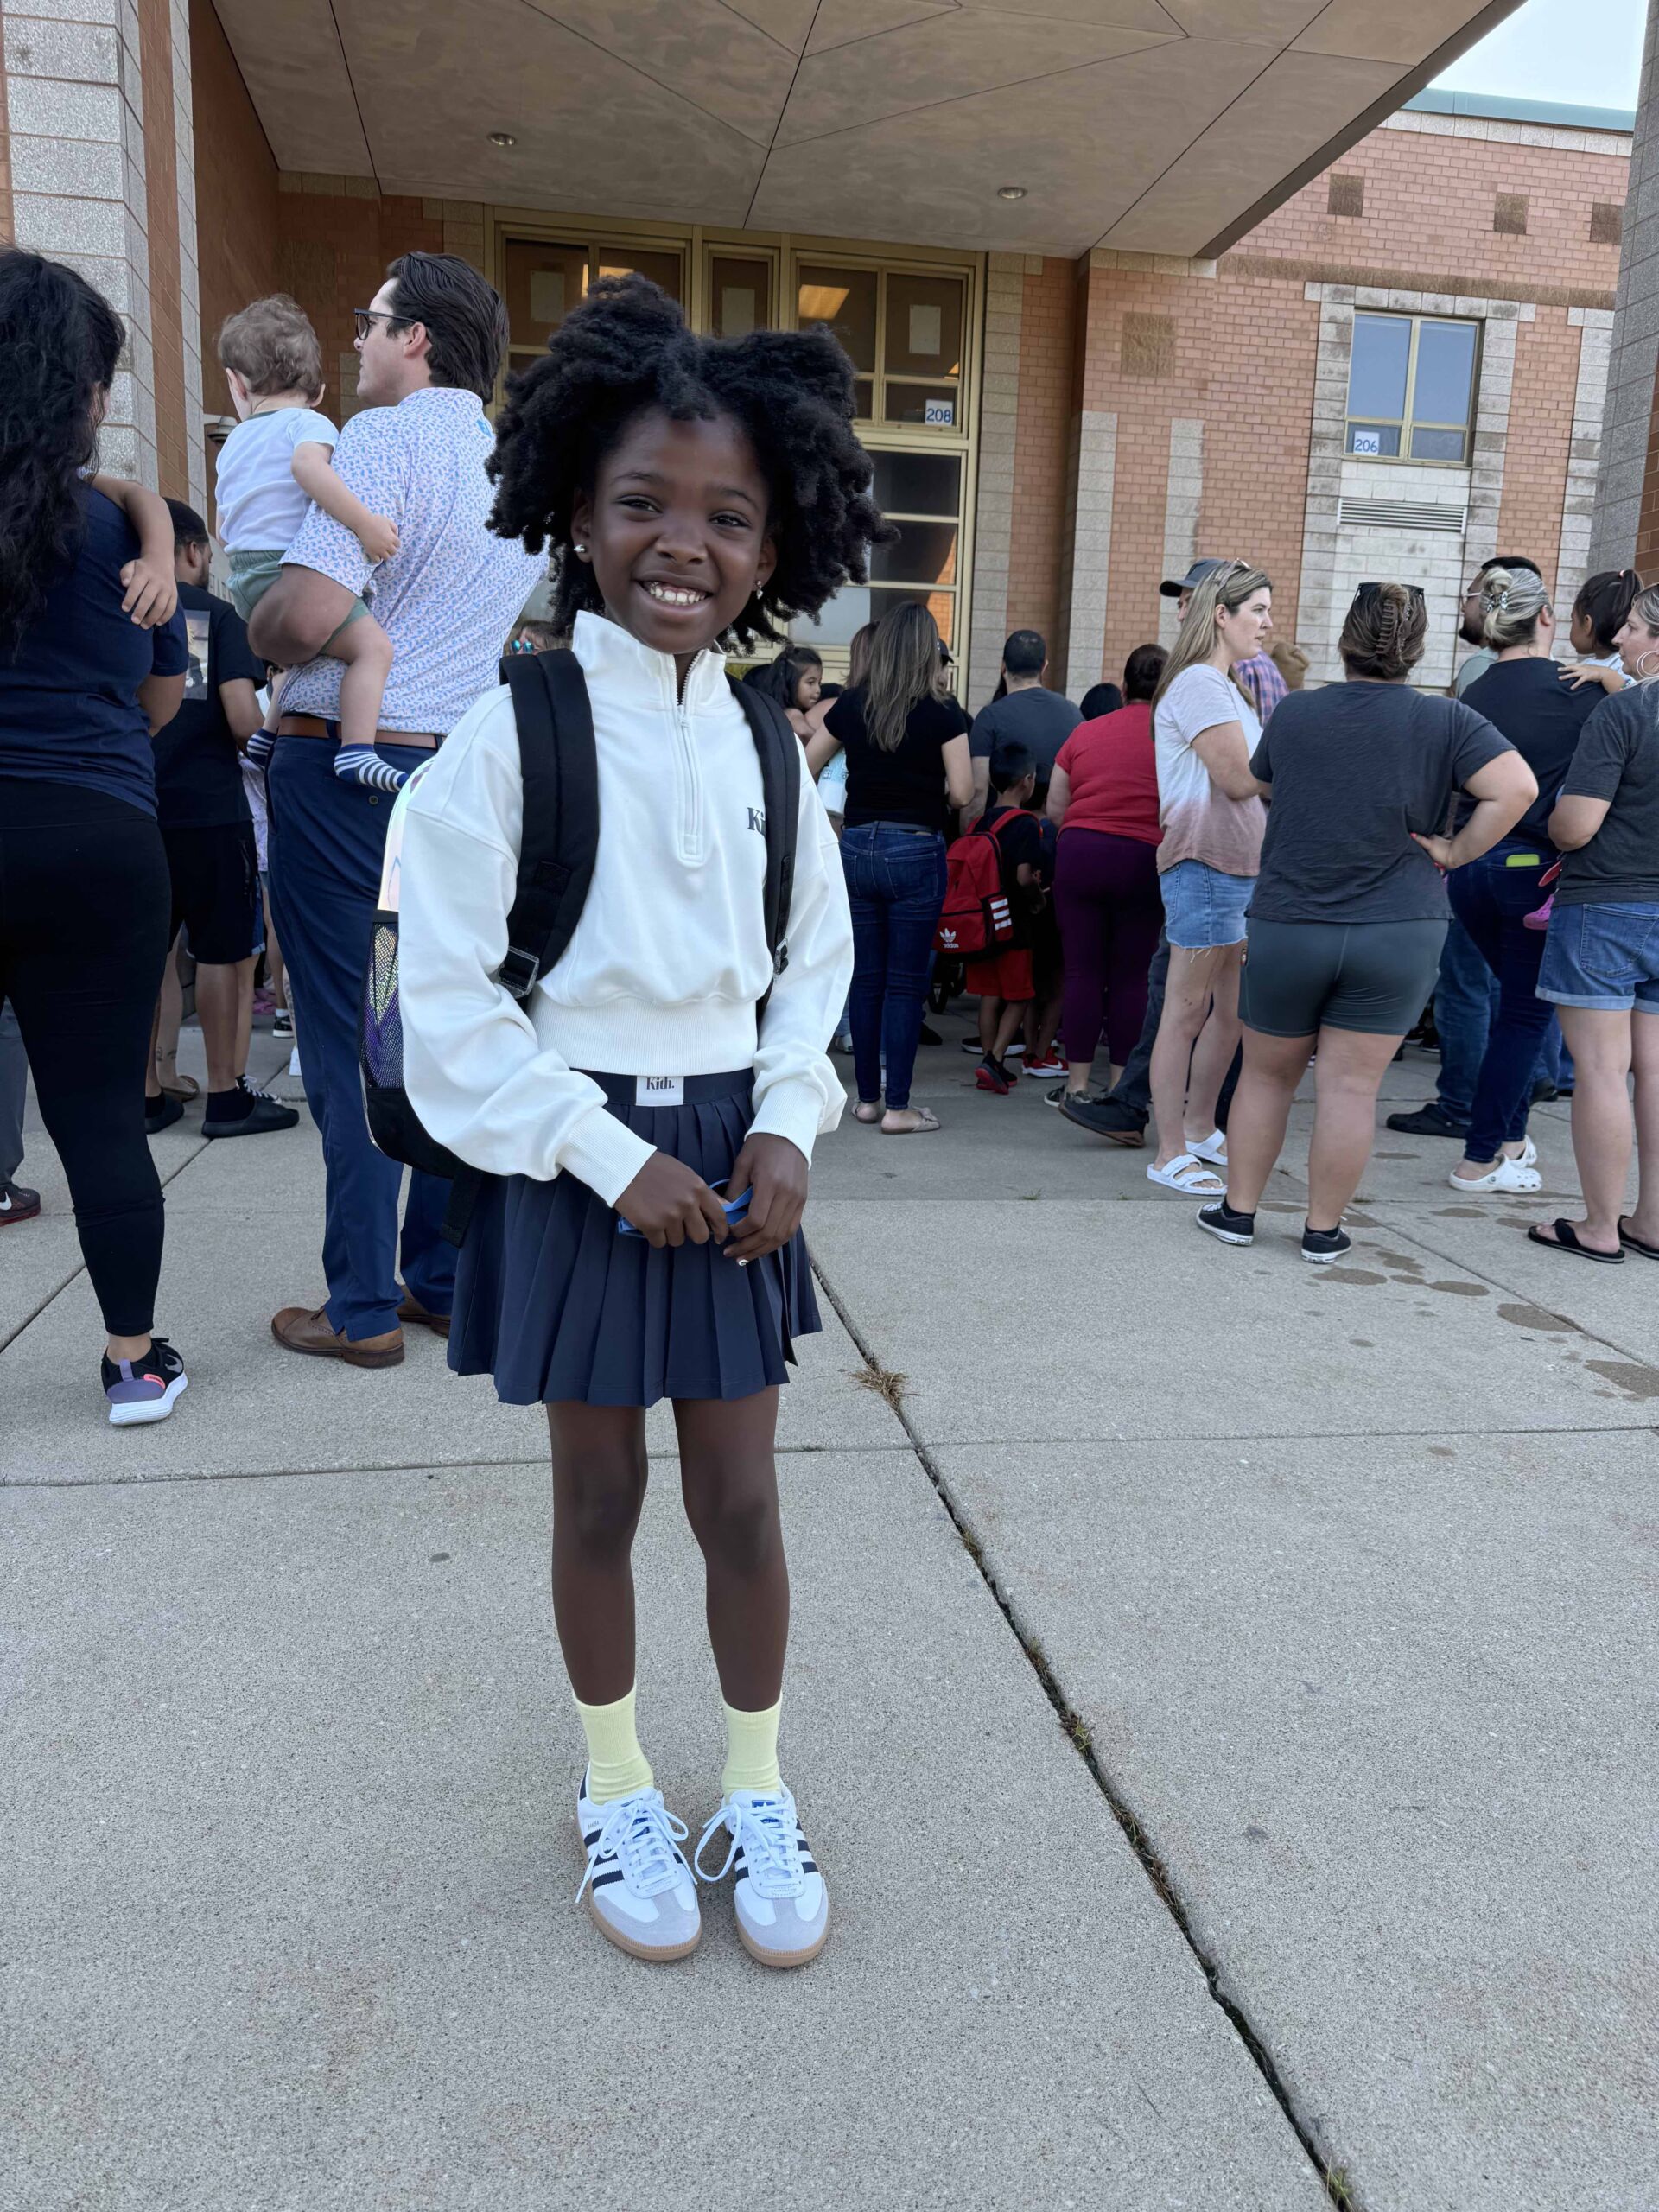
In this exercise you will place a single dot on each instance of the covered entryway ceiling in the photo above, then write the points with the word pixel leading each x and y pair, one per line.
pixel 1157 126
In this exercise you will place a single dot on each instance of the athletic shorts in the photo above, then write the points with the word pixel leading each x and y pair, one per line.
pixel 253 572
pixel 216 891
pixel 1007 976
pixel 1373 977
pixel 1204 906
pixel 1605 959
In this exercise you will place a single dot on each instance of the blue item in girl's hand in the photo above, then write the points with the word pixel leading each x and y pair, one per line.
pixel 735 1210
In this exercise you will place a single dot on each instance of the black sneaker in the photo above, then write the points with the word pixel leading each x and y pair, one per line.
pixel 18 1204
pixel 1321 1246
pixel 139 1390
pixel 161 1113
pixel 258 1116
pixel 930 1036
pixel 281 1022
pixel 1430 1120
pixel 1106 1117
pixel 1218 1220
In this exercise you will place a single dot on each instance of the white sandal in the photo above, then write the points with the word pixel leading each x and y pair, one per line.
pixel 1189 1176
pixel 1213 1147
pixel 1507 1175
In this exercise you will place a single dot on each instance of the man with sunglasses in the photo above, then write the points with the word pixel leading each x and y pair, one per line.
pixel 429 347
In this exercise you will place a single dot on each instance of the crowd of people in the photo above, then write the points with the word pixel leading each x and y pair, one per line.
pixel 617 1060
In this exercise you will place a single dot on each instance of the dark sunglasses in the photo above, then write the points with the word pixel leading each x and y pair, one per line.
pixel 364 317
pixel 1369 591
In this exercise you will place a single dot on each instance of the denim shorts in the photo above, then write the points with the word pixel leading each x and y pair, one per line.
pixel 1603 957
pixel 1202 906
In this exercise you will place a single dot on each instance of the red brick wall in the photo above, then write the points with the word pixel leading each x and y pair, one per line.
pixel 236 221
pixel 1241 353
pixel 162 219
pixel 1047 348
pixel 1540 435
pixel 1430 199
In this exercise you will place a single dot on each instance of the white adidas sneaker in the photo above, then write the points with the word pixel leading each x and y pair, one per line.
pixel 783 1908
pixel 638 1887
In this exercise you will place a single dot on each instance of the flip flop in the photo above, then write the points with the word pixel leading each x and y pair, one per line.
pixel 1189 1176
pixel 181 1086
pixel 928 1120
pixel 1634 1243
pixel 1566 1239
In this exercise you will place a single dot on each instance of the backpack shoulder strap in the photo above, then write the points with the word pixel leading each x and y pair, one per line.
pixel 560 838
pixel 780 784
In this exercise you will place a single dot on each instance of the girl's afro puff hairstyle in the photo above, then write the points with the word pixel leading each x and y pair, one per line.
pixel 626 348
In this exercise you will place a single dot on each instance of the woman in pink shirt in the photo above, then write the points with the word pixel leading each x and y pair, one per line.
pixel 1103 796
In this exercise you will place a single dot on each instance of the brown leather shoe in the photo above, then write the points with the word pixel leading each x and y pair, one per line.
pixel 413 1311
pixel 297 1329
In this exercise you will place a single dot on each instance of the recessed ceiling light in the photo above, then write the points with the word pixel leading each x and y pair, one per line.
pixel 1010 191
pixel 502 138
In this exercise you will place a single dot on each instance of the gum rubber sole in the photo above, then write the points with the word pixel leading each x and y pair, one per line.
pixel 652 1957
pixel 782 1959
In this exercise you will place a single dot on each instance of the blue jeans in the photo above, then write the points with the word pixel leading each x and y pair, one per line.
pixel 895 886
pixel 1491 896
pixel 327 843
pixel 1465 999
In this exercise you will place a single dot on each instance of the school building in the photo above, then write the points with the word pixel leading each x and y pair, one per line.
pixel 1124 281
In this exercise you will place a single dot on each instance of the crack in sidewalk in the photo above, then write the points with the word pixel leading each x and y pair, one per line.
pixel 1333 2180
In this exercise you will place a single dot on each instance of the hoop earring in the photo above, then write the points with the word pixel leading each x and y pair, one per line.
pixel 1642 673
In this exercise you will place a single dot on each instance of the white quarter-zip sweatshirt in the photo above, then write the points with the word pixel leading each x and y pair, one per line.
pixel 668 960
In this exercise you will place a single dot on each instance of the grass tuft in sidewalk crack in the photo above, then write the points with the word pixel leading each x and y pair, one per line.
pixel 885 1381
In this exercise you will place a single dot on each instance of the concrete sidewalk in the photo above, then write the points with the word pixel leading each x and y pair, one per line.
pixel 1341 1581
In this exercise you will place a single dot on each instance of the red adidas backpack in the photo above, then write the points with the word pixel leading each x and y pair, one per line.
pixel 975 920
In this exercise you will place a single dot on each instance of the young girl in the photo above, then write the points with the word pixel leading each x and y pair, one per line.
pixel 276 461
pixel 691 491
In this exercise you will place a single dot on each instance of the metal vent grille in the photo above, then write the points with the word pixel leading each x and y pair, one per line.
pixel 1402 514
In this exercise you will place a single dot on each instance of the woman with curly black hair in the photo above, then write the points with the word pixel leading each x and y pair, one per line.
pixel 659 1077
pixel 92 659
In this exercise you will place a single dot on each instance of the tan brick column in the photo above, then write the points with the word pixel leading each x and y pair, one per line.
pixel 81 76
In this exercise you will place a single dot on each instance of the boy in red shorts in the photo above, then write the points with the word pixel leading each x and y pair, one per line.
pixel 1005 983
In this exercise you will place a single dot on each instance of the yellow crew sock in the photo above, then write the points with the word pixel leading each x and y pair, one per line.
pixel 752 1749
pixel 616 1766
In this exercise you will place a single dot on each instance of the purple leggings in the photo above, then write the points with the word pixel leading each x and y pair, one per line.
pixel 1107 902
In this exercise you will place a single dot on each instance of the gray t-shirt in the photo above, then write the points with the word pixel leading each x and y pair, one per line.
pixel 1035 716
pixel 1617 758
pixel 1354 768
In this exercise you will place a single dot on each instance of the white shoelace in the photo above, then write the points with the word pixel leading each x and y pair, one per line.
pixel 640 1834
pixel 764 1829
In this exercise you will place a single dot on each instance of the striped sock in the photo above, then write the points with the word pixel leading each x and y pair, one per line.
pixel 361 764
pixel 616 1766
pixel 752 1749
pixel 261 745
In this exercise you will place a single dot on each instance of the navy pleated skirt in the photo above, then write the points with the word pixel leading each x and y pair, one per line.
pixel 556 1305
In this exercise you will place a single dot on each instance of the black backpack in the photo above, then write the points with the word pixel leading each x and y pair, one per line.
pixel 558 847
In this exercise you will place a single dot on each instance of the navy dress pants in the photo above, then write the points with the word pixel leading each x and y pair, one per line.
pixel 327 841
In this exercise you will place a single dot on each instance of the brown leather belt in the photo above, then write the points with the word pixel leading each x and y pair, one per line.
pixel 314 725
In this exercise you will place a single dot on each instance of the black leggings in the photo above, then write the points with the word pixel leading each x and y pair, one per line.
pixel 85 897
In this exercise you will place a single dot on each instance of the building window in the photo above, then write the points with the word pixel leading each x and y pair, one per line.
pixel 1606 222
pixel 1346 196
pixel 545 280
pixel 904 331
pixel 1509 216
pixel 1411 388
